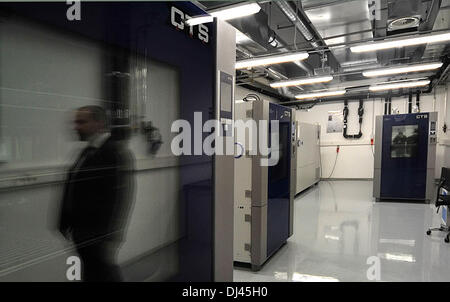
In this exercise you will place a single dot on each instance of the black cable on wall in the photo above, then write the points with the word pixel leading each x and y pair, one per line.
pixel 410 102
pixel 360 114
pixel 385 106
pixel 418 100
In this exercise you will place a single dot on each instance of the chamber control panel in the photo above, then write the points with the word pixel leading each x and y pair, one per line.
pixel 432 128
pixel 432 132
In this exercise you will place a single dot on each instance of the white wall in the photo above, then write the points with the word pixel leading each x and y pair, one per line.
pixel 44 75
pixel 444 138
pixel 355 159
pixel 443 147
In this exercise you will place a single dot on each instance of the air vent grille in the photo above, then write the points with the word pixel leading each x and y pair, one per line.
pixel 404 23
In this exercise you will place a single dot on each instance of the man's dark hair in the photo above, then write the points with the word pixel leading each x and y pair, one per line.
pixel 98 114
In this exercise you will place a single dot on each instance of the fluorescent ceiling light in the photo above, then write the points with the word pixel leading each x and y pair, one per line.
pixel 311 278
pixel 392 86
pixel 303 81
pixel 338 40
pixel 404 69
pixel 331 237
pixel 226 14
pixel 269 60
pixel 425 39
pixel 319 94
pixel 236 12
pixel 199 20
pixel 398 241
pixel 398 257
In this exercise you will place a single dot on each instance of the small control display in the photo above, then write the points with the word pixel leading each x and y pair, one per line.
pixel 433 128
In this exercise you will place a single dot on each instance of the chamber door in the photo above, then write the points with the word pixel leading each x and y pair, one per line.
pixel 279 181
pixel 404 156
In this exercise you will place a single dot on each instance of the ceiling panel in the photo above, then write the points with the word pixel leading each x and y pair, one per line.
pixel 341 18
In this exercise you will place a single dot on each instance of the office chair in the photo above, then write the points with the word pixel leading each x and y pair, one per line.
pixel 443 200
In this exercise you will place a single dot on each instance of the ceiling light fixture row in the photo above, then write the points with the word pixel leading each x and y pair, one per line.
pixel 402 69
pixel 404 42
pixel 270 60
pixel 253 8
pixel 301 81
pixel 238 11
pixel 367 73
pixel 392 86
pixel 374 46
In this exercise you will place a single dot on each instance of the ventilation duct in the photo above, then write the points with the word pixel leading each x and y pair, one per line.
pixel 256 27
pixel 298 23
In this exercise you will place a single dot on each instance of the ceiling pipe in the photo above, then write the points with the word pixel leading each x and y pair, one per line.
pixel 262 80
pixel 281 46
pixel 242 50
pixel 273 73
pixel 284 91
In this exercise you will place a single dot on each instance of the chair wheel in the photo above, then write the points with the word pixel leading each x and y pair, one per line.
pixel 446 239
pixel 429 232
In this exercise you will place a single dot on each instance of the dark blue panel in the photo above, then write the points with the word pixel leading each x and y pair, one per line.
pixel 404 159
pixel 279 183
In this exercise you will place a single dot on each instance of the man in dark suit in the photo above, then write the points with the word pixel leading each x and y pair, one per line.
pixel 97 197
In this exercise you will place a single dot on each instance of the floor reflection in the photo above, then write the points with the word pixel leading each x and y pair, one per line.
pixel 341 234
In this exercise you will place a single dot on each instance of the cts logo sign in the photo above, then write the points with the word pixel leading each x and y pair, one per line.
pixel 177 18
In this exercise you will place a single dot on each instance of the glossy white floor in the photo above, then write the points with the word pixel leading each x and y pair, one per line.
pixel 338 226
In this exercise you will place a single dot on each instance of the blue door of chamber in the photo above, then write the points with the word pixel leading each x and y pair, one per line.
pixel 150 70
pixel 279 181
pixel 404 156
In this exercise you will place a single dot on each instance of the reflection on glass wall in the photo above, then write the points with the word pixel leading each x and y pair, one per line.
pixel 86 167
pixel 405 141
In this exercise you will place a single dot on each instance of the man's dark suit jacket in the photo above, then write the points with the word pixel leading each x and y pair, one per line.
pixel 97 195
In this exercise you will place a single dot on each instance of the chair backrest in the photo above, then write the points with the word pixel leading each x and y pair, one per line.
pixel 445 178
